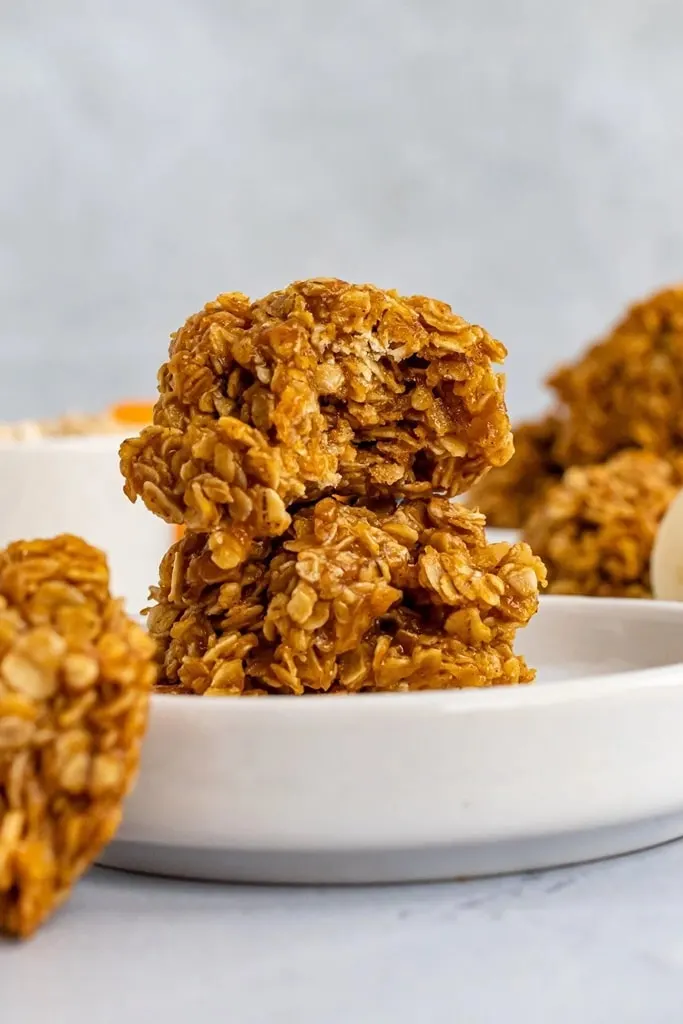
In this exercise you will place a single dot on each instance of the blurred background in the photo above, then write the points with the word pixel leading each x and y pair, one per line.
pixel 522 161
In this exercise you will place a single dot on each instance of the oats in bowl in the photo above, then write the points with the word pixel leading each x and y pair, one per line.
pixel 79 424
pixel 69 425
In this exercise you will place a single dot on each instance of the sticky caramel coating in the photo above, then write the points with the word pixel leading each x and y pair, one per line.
pixel 322 387
pixel 75 680
pixel 352 598
pixel 626 391
pixel 508 495
pixel 596 528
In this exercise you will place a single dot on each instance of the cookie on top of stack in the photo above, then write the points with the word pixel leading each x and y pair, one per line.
pixel 308 443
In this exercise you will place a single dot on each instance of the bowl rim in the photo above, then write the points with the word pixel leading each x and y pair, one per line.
pixel 95 442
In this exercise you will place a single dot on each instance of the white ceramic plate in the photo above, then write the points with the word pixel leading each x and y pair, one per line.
pixel 586 763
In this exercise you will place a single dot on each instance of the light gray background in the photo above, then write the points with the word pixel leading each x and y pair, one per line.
pixel 597 944
pixel 523 161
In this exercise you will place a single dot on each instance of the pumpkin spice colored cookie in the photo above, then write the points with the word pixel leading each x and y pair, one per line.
pixel 75 679
pixel 596 529
pixel 323 387
pixel 352 598
pixel 507 495
pixel 627 390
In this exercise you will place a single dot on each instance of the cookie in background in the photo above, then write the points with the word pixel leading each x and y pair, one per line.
pixel 576 485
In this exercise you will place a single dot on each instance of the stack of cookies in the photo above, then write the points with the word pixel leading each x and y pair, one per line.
pixel 309 444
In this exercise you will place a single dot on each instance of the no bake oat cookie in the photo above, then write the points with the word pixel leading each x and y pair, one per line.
pixel 595 529
pixel 507 495
pixel 75 679
pixel 351 598
pixel 627 390
pixel 323 387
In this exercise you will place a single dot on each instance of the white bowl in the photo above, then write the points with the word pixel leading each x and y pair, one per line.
pixel 73 485
pixel 586 763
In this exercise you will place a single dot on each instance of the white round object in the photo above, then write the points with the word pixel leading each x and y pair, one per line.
pixel 494 535
pixel 74 485
pixel 666 564
pixel 586 763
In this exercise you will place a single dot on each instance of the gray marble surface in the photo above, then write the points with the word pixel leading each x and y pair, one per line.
pixel 597 944
pixel 520 160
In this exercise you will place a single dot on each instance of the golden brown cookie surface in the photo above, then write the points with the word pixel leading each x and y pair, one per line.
pixel 507 495
pixel 322 387
pixel 596 528
pixel 75 679
pixel 627 390
pixel 351 598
